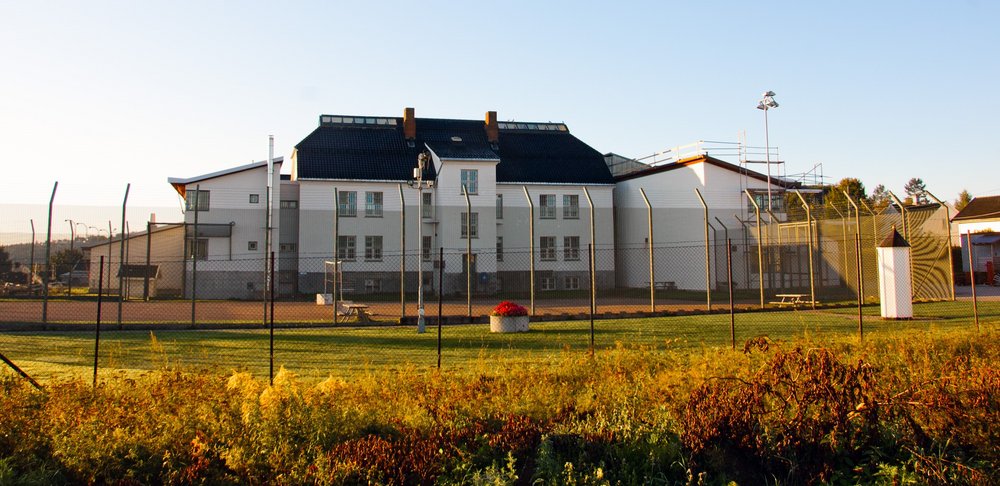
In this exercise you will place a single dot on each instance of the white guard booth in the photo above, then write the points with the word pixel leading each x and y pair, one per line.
pixel 894 277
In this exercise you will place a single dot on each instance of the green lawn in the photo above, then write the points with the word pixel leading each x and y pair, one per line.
pixel 317 353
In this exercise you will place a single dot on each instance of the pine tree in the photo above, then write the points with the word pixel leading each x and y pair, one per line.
pixel 964 198
pixel 916 189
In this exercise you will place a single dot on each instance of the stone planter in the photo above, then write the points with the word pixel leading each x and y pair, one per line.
pixel 508 323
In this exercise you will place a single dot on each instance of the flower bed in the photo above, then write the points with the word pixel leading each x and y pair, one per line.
pixel 509 317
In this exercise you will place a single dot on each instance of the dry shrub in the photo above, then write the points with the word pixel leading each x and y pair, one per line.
pixel 802 417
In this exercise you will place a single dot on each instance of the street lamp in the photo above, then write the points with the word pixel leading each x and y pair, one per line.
pixel 765 104
pixel 419 182
pixel 86 230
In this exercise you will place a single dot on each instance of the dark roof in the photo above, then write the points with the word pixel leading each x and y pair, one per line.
pixel 893 240
pixel 380 152
pixel 980 207
pixel 713 161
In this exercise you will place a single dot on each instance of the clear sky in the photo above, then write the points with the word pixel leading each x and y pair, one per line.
pixel 97 94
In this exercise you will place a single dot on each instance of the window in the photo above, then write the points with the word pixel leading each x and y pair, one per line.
pixel 547 206
pixel 251 246
pixel 470 179
pixel 286 247
pixel 499 206
pixel 548 283
pixel 345 247
pixel 201 196
pixel 548 248
pixel 348 204
pixel 474 230
pixel 425 249
pixel 373 204
pixel 288 205
pixel 373 248
pixel 571 206
pixel 571 248
pixel 197 248
pixel 428 209
pixel 254 198
pixel 499 248
pixel 373 285
pixel 571 283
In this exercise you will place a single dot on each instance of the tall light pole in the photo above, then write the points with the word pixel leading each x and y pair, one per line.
pixel 765 104
pixel 419 182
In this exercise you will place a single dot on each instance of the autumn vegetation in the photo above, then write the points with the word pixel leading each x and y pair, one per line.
pixel 919 407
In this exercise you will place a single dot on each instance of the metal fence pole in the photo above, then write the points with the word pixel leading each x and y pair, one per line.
pixel 593 250
pixel 652 271
pixel 440 300
pixel 121 259
pixel 19 371
pixel 861 295
pixel 271 322
pixel 31 264
pixel 72 238
pixel 336 254
pixel 194 255
pixel 593 303
pixel 951 257
pixel 732 308
pixel 531 247
pixel 110 235
pixel 402 252
pixel 97 327
pixel 48 263
pixel 809 232
pixel 857 233
pixel 972 279
pixel 468 250
pixel 708 264
pixel 145 273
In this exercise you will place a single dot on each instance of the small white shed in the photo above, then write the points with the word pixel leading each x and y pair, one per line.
pixel 894 277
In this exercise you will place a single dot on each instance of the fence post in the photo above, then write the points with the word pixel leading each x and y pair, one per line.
pixel 468 250
pixel 121 258
pixel 440 300
pixel 972 279
pixel 402 251
pixel 861 295
pixel 708 264
pixel 48 262
pixel 593 250
pixel 271 322
pixel 809 232
pixel 194 257
pixel 652 271
pixel 336 253
pixel 72 239
pixel 531 247
pixel 31 264
pixel 97 327
pixel 593 303
pixel 857 233
pixel 732 308
pixel 145 273
pixel 951 258
pixel 111 234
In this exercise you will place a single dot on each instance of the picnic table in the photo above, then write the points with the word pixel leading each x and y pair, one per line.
pixel 791 300
pixel 359 310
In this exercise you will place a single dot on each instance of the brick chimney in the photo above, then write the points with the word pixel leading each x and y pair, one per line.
pixel 492 129
pixel 409 124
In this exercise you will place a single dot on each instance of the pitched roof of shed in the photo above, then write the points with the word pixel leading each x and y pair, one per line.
pixel 980 207
pixel 380 152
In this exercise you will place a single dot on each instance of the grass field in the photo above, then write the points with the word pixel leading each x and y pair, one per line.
pixel 317 353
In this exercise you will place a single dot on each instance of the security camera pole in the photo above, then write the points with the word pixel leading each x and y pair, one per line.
pixel 418 181
pixel 766 104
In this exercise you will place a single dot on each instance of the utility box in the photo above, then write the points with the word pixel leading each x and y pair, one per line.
pixel 894 277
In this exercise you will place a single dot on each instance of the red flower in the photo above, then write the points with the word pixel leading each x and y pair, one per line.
pixel 508 308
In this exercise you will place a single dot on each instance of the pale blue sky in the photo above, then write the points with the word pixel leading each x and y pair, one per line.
pixel 97 94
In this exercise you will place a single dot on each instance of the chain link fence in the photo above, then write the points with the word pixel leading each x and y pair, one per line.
pixel 160 297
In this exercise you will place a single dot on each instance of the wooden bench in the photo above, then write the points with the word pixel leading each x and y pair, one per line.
pixel 664 285
pixel 791 300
